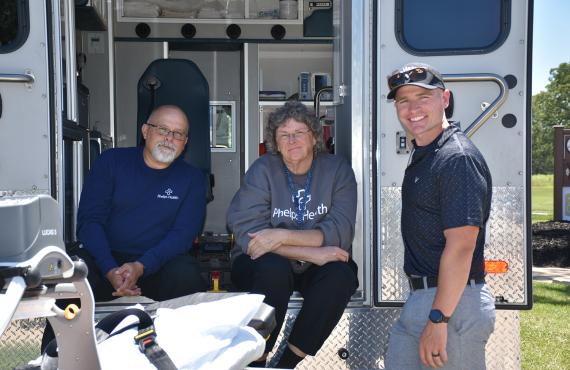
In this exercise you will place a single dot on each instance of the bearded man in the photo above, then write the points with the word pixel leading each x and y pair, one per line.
pixel 140 210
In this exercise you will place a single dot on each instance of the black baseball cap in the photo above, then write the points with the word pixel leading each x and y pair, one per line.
pixel 418 74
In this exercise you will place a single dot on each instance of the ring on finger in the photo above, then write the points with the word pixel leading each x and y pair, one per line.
pixel 435 354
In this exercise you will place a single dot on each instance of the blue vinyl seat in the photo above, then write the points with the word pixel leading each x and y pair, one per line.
pixel 180 82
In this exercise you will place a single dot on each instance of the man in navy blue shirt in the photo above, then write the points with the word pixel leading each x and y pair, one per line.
pixel 140 210
pixel 446 200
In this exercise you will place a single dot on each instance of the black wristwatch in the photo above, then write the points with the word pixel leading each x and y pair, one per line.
pixel 437 317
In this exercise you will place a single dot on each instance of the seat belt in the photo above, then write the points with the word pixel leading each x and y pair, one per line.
pixel 145 338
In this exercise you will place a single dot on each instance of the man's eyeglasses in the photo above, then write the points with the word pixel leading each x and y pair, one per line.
pixel 163 131
pixel 417 74
pixel 285 137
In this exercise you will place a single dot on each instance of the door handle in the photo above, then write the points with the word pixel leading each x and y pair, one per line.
pixel 26 78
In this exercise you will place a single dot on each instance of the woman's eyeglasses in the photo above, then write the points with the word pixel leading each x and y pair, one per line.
pixel 285 137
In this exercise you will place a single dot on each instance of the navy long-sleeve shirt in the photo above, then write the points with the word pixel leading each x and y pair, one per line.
pixel 130 208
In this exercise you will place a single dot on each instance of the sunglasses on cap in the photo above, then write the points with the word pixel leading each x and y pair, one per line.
pixel 417 76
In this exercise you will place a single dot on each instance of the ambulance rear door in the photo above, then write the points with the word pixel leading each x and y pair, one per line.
pixel 26 105
pixel 483 49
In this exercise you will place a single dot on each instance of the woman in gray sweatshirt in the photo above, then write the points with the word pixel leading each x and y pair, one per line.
pixel 293 220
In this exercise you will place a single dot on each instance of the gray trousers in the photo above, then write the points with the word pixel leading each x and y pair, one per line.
pixel 467 331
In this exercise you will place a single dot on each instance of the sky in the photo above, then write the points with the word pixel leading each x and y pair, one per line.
pixel 551 39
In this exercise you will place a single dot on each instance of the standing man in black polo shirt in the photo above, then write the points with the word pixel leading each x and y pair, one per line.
pixel 446 198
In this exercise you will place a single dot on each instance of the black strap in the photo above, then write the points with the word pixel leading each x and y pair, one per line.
pixel 158 357
pixel 152 83
pixel 417 282
pixel 32 277
pixel 10 272
pixel 110 322
pixel 152 100
pixel 145 339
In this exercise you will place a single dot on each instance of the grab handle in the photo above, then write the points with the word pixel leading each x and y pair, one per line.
pixel 493 107
pixel 26 78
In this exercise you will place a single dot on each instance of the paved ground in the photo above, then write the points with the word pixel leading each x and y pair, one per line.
pixel 551 274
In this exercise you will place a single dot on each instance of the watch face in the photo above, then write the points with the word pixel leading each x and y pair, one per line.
pixel 436 316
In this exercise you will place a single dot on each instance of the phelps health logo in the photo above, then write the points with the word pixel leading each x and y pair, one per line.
pixel 168 194
pixel 301 207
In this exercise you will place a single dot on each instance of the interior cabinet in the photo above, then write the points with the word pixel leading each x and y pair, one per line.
pixel 211 11
pixel 280 67
pixel 281 64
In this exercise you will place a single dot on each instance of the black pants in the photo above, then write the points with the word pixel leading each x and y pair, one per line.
pixel 326 291
pixel 178 277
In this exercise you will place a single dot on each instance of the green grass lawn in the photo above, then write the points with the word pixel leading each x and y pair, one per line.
pixel 545 330
pixel 542 197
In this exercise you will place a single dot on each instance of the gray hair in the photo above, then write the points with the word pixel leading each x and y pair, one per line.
pixel 296 110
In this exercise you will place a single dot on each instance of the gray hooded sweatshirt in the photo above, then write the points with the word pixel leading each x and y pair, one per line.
pixel 264 200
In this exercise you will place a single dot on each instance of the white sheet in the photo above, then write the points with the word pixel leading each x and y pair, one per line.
pixel 10 300
pixel 207 336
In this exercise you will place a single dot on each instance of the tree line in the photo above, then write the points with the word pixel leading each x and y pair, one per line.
pixel 549 108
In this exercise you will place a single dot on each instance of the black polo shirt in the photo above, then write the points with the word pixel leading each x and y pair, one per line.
pixel 447 184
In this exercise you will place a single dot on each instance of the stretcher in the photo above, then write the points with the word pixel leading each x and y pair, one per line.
pixel 35 271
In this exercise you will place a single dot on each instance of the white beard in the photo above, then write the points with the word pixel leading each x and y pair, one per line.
pixel 164 152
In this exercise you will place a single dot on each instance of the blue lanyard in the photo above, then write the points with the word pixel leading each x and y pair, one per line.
pixel 299 208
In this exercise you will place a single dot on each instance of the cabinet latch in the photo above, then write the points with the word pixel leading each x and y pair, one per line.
pixel 342 90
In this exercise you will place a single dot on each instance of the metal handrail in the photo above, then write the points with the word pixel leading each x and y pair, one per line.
pixel 26 78
pixel 493 107
pixel 70 60
pixel 318 100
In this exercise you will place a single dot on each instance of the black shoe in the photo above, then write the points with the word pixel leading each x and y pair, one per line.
pixel 288 359
pixel 260 363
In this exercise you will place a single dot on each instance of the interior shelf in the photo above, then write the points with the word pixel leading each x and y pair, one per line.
pixel 276 103
pixel 211 11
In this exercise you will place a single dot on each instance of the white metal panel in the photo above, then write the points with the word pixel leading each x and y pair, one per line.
pixel 360 95
pixel 504 149
pixel 353 69
pixel 24 125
